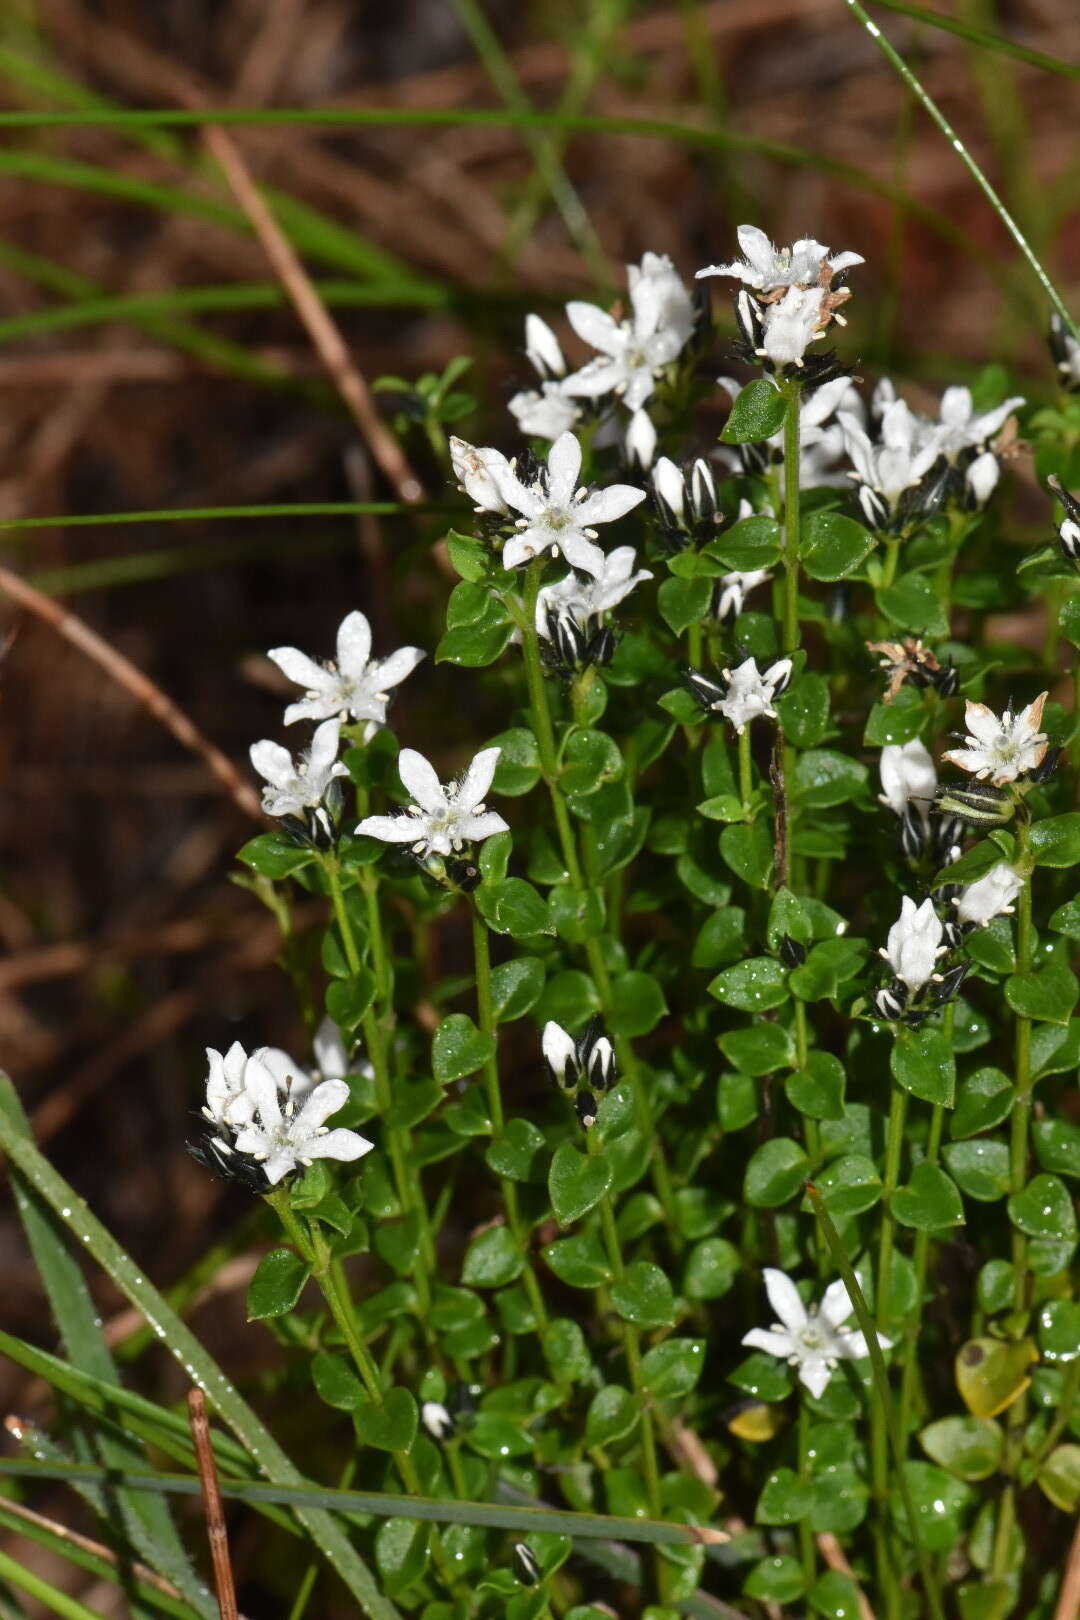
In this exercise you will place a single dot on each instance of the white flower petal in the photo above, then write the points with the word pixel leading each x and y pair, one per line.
pixel 300 668
pixel 784 1299
pixel 353 645
pixel 419 778
pixel 564 469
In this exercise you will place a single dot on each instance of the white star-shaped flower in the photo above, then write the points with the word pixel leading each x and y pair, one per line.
pixel 633 352
pixel 907 449
pixel 1001 748
pixel 441 820
pixel 557 516
pixel 479 471
pixel 989 896
pixel 907 774
pixel 332 1062
pixel 545 412
pixel 735 588
pixel 766 269
pixel 228 1098
pixel 587 598
pixel 355 687
pixel 792 324
pixel 914 943
pixel 961 428
pixel 280 1138
pixel 298 785
pixel 812 1340
pixel 751 692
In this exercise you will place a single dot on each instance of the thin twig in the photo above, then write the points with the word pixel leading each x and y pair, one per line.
pixel 1068 1603
pixel 833 1554
pixel 141 1572
pixel 144 691
pixel 321 327
pixel 216 1533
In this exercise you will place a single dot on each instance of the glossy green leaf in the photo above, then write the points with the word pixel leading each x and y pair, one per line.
pixel 1044 1209
pixel 833 546
pixel 922 1063
pixel 969 1447
pixel 459 1049
pixel 643 1296
pixel 276 1286
pixel 775 1173
pixel 752 986
pixel 929 1201
pixel 758 413
pixel 577 1182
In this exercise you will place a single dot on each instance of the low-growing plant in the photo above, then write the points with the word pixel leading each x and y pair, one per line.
pixel 676 1212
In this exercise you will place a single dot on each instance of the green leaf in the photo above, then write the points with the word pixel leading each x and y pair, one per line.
pixel 516 986
pixel 778 1579
pixel 983 1100
pixel 569 998
pixel 760 1049
pixel 401 1553
pixel 390 1426
pixel 785 1499
pixel 683 602
pixel 775 1173
pixel 1048 996
pixel 515 1151
pixel 1057 1145
pixel 513 907
pixel 969 1447
pixel 804 710
pixel 579 1261
pixel 823 777
pixel 336 1382
pixel 913 604
pixel 938 1500
pixel 470 557
pixel 1059 1478
pixel 518 766
pixel 637 1004
pixel 752 986
pixel 613 1414
pixel 673 1368
pixel 348 1000
pixel 1044 1209
pixel 590 759
pixel 833 546
pixel 276 1285
pixel 922 1063
pixel 274 856
pixel 748 850
pixel 1056 840
pixel 750 544
pixel 711 1268
pixel 834 1594
pixel 565 1351
pixel 577 1182
pixel 929 1201
pixel 1059 1330
pixel 829 965
pixel 758 413
pixel 492 1259
pixel 459 1049
pixel 849 1185
pixel 720 939
pixel 1053 1050
pixel 897 722
pixel 818 1090
pixel 474 646
pixel 1066 919
pixel 643 1295
pixel 979 1167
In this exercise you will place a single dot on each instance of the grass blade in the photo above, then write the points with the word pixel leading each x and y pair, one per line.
pixel 57 1540
pixel 893 57
pixel 148 1525
pixel 199 1366
pixel 386 1504
pixel 980 36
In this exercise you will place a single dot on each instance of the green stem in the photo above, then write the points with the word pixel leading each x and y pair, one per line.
pixel 313 1247
pixel 632 1350
pixel 485 1018
pixel 880 1397
pixel 792 428
pixel 892 559
pixel 549 768
pixel 880 1408
pixel 745 774
pixel 921 1257
pixel 807 1545
pixel 375 1030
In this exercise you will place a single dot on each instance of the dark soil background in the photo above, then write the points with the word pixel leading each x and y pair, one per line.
pixel 125 949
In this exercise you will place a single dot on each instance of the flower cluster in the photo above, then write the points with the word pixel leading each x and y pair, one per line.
pixel 742 694
pixel 581 1067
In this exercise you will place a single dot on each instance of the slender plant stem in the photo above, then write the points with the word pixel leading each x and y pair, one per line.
pixel 930 106
pixel 792 468
pixel 880 1395
pixel 745 768
pixel 486 1023
pixel 397 1144
pixel 807 1545
pixel 549 768
pixel 921 1256
pixel 879 1432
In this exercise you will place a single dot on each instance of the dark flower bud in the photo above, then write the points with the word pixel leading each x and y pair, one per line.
pixel 946 987
pixel 585 1108
pixel 912 833
pixel 947 680
pixel 1046 767
pixel 889 1002
pixel 526 1566
pixel 219 1158
pixel 976 804
pixel 707 692
pixel 792 952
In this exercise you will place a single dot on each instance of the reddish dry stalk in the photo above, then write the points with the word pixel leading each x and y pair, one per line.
pixel 833 1554
pixel 1068 1603
pixel 216 1533
pixel 140 686
pixel 149 1577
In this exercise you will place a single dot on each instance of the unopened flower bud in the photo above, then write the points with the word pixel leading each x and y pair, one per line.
pixel 526 1565
pixel 977 804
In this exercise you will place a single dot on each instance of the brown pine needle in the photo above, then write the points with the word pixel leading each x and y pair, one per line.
pixel 216 1533
pixel 140 686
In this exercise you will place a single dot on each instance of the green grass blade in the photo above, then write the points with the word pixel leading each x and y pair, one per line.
pixel 50 1597
pixel 151 1597
pixel 660 129
pixel 233 296
pixel 148 1524
pixel 222 1396
pixel 988 41
pixel 389 1505
pixel 893 57
pixel 209 514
